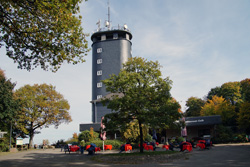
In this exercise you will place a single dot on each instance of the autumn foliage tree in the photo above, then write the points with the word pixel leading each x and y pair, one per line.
pixel 243 119
pixel 42 33
pixel 219 106
pixel 41 106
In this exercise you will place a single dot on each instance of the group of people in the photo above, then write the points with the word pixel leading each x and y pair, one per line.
pixel 91 149
pixel 176 143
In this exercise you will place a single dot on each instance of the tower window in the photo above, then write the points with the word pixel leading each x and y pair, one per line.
pixel 99 84
pixel 99 50
pixel 103 37
pixel 115 36
pixel 127 36
pixel 99 61
pixel 99 96
pixel 99 72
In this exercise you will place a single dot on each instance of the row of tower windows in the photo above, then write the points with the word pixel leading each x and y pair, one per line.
pixel 99 61
pixel 104 37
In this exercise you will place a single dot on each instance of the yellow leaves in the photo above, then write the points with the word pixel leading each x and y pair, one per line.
pixel 218 106
pixel 75 136
pixel 244 116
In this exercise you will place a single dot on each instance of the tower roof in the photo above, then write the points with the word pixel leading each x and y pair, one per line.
pixel 118 30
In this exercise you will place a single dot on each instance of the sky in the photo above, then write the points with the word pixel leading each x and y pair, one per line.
pixel 200 44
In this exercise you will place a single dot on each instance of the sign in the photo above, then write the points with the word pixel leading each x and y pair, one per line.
pixel 19 141
pixel 2 134
pixel 199 120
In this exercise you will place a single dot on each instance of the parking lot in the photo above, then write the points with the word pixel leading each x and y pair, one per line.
pixel 220 155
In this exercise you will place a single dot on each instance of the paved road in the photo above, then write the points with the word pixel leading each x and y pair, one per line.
pixel 220 155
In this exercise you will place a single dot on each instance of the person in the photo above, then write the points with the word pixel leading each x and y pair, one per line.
pixel 181 146
pixel 82 146
pixel 66 148
pixel 91 149
pixel 122 148
pixel 171 145
pixel 153 144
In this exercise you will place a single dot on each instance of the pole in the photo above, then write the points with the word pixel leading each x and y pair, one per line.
pixel 10 132
pixel 103 145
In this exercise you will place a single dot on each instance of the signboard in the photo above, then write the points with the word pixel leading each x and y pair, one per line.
pixel 2 134
pixel 19 141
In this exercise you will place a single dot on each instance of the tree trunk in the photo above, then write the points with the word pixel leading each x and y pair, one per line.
pixel 31 140
pixel 31 134
pixel 141 137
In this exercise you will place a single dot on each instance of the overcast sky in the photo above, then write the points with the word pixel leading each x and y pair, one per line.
pixel 200 44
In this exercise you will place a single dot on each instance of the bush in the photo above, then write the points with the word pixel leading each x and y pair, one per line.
pixel 226 135
pixel 240 138
pixel 4 147
pixel 116 144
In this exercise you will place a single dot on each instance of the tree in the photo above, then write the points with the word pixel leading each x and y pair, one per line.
pixel 231 91
pixel 8 105
pixel 88 135
pixel 244 117
pixel 140 93
pixel 214 92
pixel 85 135
pixel 245 90
pixel 194 105
pixel 8 110
pixel 42 33
pixel 219 106
pixel 42 106
pixel 132 133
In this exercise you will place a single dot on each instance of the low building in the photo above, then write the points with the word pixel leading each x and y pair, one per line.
pixel 196 127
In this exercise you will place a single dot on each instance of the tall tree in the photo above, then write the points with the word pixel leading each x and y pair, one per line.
pixel 144 96
pixel 42 106
pixel 42 33
pixel 194 106
pixel 219 106
pixel 8 105
pixel 231 91
pixel 214 92
pixel 244 117
pixel 245 89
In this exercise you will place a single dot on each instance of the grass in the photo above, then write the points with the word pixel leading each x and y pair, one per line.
pixel 137 157
pixel 143 154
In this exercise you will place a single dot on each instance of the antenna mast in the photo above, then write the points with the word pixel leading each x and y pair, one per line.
pixel 108 12
pixel 108 22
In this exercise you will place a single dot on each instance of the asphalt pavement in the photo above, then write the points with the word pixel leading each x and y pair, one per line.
pixel 236 155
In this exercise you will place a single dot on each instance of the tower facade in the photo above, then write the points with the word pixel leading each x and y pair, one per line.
pixel 110 49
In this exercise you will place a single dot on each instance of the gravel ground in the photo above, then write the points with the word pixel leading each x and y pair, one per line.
pixel 219 156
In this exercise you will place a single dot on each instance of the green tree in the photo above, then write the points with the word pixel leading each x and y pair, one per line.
pixel 132 133
pixel 8 110
pixel 243 119
pixel 214 92
pixel 140 93
pixel 8 105
pixel 42 33
pixel 194 106
pixel 42 106
pixel 245 90
pixel 84 135
pixel 219 106
pixel 231 91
